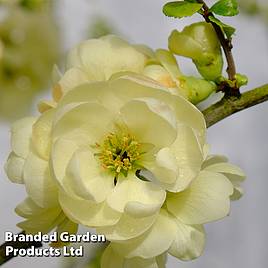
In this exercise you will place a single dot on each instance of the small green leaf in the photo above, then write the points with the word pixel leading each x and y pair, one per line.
pixel 180 9
pixel 241 80
pixel 227 29
pixel 225 8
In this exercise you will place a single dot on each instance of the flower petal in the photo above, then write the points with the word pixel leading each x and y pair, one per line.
pixel 111 259
pixel 72 78
pixel 86 179
pixel 189 157
pixel 65 226
pixel 151 121
pixel 177 166
pixel 214 159
pixel 189 241
pixel 206 200
pixel 38 219
pixel 108 55
pixel 136 197
pixel 87 213
pixel 21 132
pixel 41 137
pixel 62 152
pixel 148 245
pixel 14 168
pixel 28 208
pixel 128 87
pixel 83 116
pixel 233 173
pixel 127 227
pixel 38 182
pixel 162 165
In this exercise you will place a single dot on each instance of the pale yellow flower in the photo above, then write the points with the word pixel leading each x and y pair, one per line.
pixel 117 152
pixel 126 113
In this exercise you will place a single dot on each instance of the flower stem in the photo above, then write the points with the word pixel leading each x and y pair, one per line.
pixel 231 104
pixel 15 245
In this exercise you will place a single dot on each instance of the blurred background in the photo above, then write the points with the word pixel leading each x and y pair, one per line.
pixel 239 240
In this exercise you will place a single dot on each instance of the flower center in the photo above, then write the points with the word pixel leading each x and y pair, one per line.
pixel 119 153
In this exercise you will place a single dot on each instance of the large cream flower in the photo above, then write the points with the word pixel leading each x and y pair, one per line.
pixel 123 156
pixel 95 144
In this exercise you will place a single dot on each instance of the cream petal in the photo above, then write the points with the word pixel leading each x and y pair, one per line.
pixel 233 173
pixel 206 200
pixel 111 259
pixel 127 227
pixel 87 92
pixel 43 223
pixel 41 137
pixel 154 242
pixel 28 208
pixel 14 168
pixel 21 132
pixel 226 168
pixel 189 157
pixel 127 87
pixel 177 166
pixel 83 116
pixel 145 50
pixel 62 152
pixel 151 121
pixel 38 219
pixel 108 55
pixel 87 213
pixel 86 179
pixel 162 165
pixel 72 78
pixel 189 241
pixel 169 62
pixel 38 182
pixel 214 159
pixel 142 263
pixel 73 58
pixel 65 226
pixel 136 197
pixel 158 73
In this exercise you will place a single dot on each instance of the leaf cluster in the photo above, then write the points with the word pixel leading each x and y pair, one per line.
pixel 180 9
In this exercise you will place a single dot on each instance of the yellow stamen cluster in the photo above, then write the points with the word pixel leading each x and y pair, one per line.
pixel 119 153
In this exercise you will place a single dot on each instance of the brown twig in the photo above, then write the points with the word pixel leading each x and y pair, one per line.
pixel 230 105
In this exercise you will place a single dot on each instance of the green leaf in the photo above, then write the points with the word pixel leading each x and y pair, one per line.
pixel 225 8
pixel 241 80
pixel 227 29
pixel 180 9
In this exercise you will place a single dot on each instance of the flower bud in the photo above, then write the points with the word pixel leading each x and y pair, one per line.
pixel 200 43
pixel 198 89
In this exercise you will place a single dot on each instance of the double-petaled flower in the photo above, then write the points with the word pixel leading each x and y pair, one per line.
pixel 118 152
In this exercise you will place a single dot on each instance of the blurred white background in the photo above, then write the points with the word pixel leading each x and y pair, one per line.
pixel 237 241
